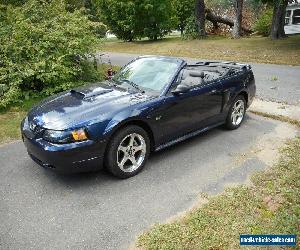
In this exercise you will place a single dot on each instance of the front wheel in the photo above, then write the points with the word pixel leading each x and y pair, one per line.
pixel 236 113
pixel 128 152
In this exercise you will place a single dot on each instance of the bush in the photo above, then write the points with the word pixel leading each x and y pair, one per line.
pixel 263 24
pixel 40 42
pixel 190 31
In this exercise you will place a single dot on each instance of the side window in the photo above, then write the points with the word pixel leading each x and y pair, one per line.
pixel 296 16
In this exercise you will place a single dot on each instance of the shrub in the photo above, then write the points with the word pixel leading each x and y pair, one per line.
pixel 40 42
pixel 263 24
pixel 190 31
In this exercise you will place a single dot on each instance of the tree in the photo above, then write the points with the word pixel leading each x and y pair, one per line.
pixel 237 28
pixel 130 20
pixel 40 44
pixel 277 28
pixel 183 10
pixel 216 20
pixel 154 18
pixel 119 16
pixel 200 17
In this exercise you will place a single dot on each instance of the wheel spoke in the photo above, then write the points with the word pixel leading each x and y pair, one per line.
pixel 122 148
pixel 236 119
pixel 123 161
pixel 133 161
pixel 131 141
pixel 141 147
pixel 233 116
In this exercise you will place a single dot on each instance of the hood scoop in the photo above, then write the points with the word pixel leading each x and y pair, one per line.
pixel 89 94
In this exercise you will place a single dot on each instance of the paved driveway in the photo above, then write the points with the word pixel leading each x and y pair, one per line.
pixel 280 83
pixel 42 210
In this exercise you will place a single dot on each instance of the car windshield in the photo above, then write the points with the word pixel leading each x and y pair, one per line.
pixel 148 73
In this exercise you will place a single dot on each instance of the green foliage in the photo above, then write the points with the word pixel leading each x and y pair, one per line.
pixel 183 10
pixel 119 16
pixel 130 20
pixel 41 43
pixel 154 18
pixel 190 31
pixel 263 24
pixel 99 29
pixel 12 2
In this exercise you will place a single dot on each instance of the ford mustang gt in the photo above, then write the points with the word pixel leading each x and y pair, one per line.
pixel 151 103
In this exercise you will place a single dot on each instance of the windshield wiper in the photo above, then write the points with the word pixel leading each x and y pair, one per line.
pixel 132 84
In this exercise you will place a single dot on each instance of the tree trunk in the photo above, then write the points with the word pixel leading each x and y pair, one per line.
pixel 200 17
pixel 277 29
pixel 225 20
pixel 237 27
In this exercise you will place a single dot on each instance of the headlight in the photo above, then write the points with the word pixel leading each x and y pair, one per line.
pixel 56 136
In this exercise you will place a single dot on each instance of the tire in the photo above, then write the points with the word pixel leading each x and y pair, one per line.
pixel 128 152
pixel 236 115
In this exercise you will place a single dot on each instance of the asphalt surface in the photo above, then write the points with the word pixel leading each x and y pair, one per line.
pixel 43 210
pixel 280 83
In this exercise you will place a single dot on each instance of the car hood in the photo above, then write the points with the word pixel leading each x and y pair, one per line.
pixel 82 105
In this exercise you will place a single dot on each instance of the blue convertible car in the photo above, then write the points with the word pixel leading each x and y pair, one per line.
pixel 152 103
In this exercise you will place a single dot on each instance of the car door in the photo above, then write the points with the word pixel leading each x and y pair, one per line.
pixel 187 112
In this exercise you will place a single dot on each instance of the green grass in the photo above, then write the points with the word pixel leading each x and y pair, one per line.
pixel 252 49
pixel 270 206
pixel 11 118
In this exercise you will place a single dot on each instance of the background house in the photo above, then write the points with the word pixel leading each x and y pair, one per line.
pixel 292 19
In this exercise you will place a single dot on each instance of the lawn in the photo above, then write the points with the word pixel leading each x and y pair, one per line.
pixel 253 49
pixel 11 118
pixel 271 205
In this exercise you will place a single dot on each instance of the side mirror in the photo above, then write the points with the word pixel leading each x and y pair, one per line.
pixel 181 88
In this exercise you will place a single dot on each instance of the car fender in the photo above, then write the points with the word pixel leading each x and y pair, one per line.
pixel 132 116
pixel 238 89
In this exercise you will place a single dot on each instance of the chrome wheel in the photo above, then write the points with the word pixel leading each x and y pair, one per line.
pixel 131 152
pixel 238 111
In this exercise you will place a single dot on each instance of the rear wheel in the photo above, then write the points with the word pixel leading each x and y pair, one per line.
pixel 128 152
pixel 236 113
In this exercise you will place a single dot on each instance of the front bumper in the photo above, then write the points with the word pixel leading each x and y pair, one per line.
pixel 66 158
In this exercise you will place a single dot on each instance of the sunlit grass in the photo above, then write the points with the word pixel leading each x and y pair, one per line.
pixel 253 49
pixel 11 118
